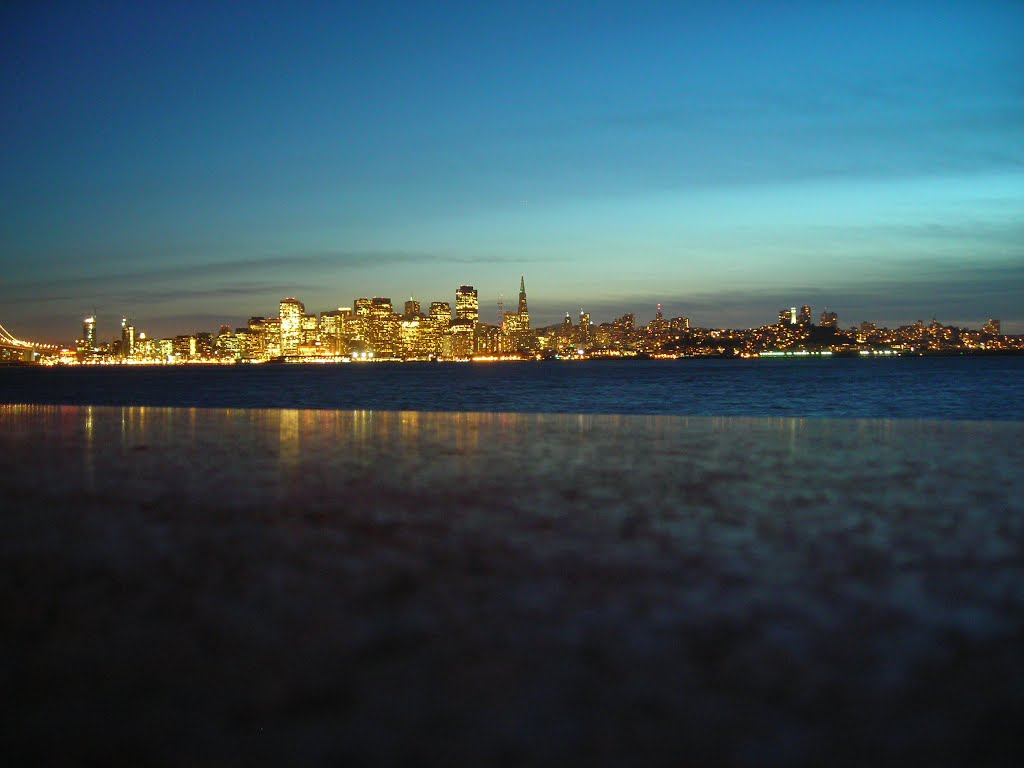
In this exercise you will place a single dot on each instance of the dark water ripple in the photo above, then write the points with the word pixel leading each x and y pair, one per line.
pixel 934 388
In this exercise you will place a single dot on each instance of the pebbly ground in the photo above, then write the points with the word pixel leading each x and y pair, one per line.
pixel 237 587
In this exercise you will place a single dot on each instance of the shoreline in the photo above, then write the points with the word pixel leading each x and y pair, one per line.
pixel 640 357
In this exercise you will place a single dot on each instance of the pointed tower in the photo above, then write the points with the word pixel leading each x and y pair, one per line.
pixel 524 313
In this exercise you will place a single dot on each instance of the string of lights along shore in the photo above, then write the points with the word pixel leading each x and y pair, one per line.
pixel 373 330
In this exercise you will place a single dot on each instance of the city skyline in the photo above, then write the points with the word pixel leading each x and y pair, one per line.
pixel 491 314
pixel 373 328
pixel 191 164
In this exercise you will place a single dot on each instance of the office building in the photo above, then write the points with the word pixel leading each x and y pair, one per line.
pixel 127 338
pixel 184 347
pixel 272 336
pixel 292 313
pixel 384 332
pixel 585 332
pixel 87 344
pixel 205 346
pixel 457 342
pixel 310 330
pixel 467 304
pixel 524 312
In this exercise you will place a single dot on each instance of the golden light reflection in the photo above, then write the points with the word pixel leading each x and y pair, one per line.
pixel 288 439
pixel 301 446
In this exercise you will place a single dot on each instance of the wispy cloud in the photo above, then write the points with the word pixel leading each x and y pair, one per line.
pixel 909 290
pixel 260 273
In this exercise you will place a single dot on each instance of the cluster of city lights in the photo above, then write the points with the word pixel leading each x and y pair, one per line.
pixel 372 330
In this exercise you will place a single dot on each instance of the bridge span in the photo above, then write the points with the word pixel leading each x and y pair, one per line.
pixel 15 350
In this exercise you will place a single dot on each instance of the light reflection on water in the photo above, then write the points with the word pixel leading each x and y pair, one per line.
pixel 289 442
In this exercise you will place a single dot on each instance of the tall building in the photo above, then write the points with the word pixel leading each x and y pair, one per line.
pixel 87 344
pixel 457 342
pixel 412 310
pixel 440 321
pixel 585 330
pixel 230 344
pixel 127 338
pixel 829 319
pixel 310 330
pixel 624 330
pixel 658 327
pixel 384 332
pixel 489 339
pixel 524 312
pixel 467 304
pixel 329 335
pixel 993 327
pixel 511 330
pixel 272 337
pixel 441 312
pixel 785 316
pixel 292 312
pixel 89 333
pixel 805 315
pixel 146 348
pixel 257 349
pixel 205 345
pixel 184 347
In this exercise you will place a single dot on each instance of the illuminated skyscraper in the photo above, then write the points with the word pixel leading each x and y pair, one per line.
pixel 292 312
pixel 467 304
pixel 89 333
pixel 330 331
pixel 440 320
pixel 272 337
pixel 805 315
pixel 585 327
pixel 441 312
pixel 829 319
pixel 184 347
pixel 412 309
pixel 205 345
pixel 146 348
pixel 257 349
pixel 310 330
pixel 384 333
pixel 624 330
pixel 228 345
pixel 127 338
pixel 658 327
pixel 524 312
pixel 457 342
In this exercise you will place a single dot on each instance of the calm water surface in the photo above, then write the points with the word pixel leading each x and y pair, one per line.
pixel 938 388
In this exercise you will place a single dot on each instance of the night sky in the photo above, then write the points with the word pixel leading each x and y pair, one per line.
pixel 190 164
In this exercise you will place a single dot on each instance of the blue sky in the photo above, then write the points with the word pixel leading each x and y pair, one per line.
pixel 190 164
